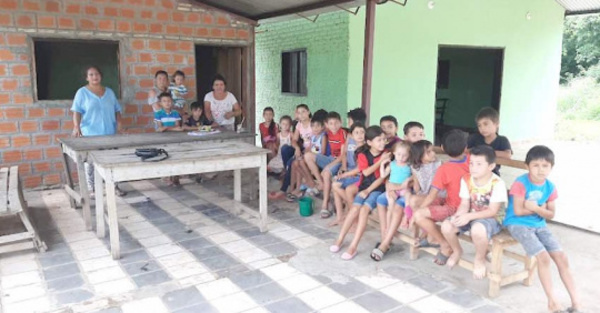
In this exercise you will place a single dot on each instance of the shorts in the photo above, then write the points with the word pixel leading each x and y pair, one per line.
pixel 441 212
pixel 348 181
pixel 492 226
pixel 370 201
pixel 400 193
pixel 324 160
pixel 534 239
pixel 383 201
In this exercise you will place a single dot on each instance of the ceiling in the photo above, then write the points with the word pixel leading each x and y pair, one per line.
pixel 573 7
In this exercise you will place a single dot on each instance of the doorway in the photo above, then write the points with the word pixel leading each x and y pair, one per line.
pixel 226 61
pixel 468 79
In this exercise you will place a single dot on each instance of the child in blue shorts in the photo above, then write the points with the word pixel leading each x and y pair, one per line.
pixel 370 186
pixel 344 183
pixel 532 200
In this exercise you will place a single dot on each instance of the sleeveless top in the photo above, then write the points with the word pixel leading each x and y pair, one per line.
pixel 316 143
pixel 285 140
pixel 305 134
pixel 425 175
pixel 398 174
pixel 350 154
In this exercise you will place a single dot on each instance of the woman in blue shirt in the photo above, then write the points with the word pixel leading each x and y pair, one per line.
pixel 96 112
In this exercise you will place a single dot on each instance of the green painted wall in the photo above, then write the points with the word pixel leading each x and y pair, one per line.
pixel 326 43
pixel 405 59
pixel 470 85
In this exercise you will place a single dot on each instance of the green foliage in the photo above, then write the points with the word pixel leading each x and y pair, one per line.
pixel 580 98
pixel 581 46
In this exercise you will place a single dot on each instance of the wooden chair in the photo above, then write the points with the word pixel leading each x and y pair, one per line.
pixel 12 203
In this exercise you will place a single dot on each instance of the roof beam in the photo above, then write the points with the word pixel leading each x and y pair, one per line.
pixel 593 11
pixel 300 9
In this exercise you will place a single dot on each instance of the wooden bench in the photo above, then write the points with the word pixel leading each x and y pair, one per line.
pixel 497 247
pixel 12 203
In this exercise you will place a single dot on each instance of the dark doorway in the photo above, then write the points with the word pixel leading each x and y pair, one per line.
pixel 226 61
pixel 468 79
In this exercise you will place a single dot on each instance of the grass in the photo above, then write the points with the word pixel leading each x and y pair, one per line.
pixel 577 130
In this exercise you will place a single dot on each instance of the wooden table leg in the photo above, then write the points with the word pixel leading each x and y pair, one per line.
pixel 68 178
pixel 113 222
pixel 85 195
pixel 262 200
pixel 99 186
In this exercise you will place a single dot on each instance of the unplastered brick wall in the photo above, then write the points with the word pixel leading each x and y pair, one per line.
pixel 152 35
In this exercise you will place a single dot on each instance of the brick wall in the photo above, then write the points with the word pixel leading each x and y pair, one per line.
pixel 326 43
pixel 153 35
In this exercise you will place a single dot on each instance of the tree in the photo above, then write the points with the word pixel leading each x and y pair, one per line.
pixel 581 45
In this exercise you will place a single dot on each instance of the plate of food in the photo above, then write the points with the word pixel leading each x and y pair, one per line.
pixel 205 128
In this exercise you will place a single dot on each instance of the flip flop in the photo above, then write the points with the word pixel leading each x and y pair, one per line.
pixel 290 197
pixel 441 259
pixel 377 254
pixel 423 243
pixel 326 213
pixel 334 249
pixel 573 310
pixel 347 256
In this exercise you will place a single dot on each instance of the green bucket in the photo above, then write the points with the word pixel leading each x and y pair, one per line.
pixel 305 206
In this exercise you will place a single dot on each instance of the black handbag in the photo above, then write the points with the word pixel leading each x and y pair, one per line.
pixel 151 154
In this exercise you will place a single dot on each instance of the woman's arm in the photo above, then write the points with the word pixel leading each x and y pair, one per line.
pixel 208 111
pixel 119 123
pixel 237 111
pixel 77 124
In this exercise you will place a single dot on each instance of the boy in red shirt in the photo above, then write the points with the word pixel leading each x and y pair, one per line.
pixel 447 178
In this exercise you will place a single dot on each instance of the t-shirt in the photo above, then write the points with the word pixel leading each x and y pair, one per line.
pixel 98 114
pixel 167 119
pixel 501 143
pixel 493 191
pixel 264 133
pixel 448 178
pixel 178 92
pixel 391 142
pixel 365 160
pixel 524 188
pixel 351 154
pixel 336 141
pixel 218 108
pixel 203 121
pixel 398 174
pixel 425 175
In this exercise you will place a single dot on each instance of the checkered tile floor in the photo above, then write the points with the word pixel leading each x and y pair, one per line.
pixel 183 251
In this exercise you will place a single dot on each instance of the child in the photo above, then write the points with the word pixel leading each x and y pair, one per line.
pixel 178 91
pixel 488 121
pixel 482 200
pixel 370 186
pixel 268 132
pixel 532 200
pixel 318 143
pixel 399 176
pixel 446 178
pixel 414 131
pixel 198 118
pixel 389 125
pixel 167 119
pixel 357 115
pixel 284 139
pixel 349 174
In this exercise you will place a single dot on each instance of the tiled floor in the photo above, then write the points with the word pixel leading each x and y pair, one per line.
pixel 183 251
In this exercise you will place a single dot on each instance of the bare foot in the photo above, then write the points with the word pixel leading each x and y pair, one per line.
pixel 404 222
pixel 479 269
pixel 277 195
pixel 334 222
pixel 454 259
pixel 555 307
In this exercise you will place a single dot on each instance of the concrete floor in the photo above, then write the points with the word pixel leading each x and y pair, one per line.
pixel 184 252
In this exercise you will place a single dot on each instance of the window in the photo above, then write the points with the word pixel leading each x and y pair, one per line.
pixel 443 74
pixel 60 66
pixel 293 72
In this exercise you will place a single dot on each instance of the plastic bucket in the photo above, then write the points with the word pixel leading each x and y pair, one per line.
pixel 305 204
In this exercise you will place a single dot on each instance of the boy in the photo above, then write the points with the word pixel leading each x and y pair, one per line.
pixel 357 115
pixel 488 121
pixel 482 200
pixel 198 119
pixel 166 118
pixel 532 200
pixel 446 178
pixel 413 131
pixel 389 125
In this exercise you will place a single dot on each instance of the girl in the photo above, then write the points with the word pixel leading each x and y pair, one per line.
pixel 268 132
pixel 318 142
pixel 399 177
pixel 284 139
pixel 348 175
pixel 370 186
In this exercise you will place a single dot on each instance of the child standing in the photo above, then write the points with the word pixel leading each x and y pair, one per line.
pixel 284 139
pixel 178 91
pixel 166 118
pixel 488 121
pixel 348 174
pixel 531 202
pixel 198 118
pixel 268 132
pixel 481 210
pixel 446 178
pixel 389 125
pixel 370 186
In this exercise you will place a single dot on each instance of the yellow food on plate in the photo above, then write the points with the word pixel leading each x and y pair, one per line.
pixel 205 128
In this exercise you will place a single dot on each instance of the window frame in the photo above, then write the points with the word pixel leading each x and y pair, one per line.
pixel 302 75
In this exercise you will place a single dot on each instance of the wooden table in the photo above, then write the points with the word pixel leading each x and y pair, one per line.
pixel 78 149
pixel 121 165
